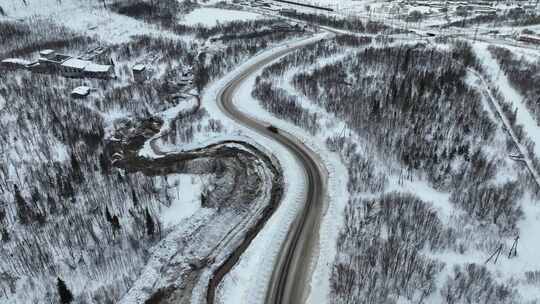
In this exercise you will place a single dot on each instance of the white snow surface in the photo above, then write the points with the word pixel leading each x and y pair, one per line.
pixel 185 190
pixel 88 17
pixel 208 17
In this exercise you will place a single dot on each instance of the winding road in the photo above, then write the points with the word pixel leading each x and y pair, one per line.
pixel 291 274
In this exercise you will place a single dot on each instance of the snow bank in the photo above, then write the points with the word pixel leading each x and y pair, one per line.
pixel 185 190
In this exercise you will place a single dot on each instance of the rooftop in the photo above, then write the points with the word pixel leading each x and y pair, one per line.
pixel 16 61
pixel 97 68
pixel 76 63
pixel 46 52
pixel 81 91
pixel 139 67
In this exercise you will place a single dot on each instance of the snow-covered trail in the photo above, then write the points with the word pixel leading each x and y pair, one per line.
pixel 511 95
pixel 500 113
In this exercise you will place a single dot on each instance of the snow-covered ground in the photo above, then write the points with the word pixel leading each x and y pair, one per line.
pixel 185 190
pixel 207 16
pixel 88 17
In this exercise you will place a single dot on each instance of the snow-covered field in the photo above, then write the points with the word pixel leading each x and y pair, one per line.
pixel 86 17
pixel 207 16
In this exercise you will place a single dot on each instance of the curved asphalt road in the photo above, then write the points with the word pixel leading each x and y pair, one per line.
pixel 292 272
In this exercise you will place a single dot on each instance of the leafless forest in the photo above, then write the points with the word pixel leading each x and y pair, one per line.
pixel 65 211
pixel 412 105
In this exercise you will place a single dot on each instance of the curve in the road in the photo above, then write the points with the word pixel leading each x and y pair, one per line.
pixel 291 273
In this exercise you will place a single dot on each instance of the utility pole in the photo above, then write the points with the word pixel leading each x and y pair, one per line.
pixel 513 250
pixel 497 252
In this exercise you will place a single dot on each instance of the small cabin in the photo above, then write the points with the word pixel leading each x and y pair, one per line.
pixel 74 67
pixel 139 72
pixel 77 68
pixel 47 54
pixel 103 71
pixel 80 92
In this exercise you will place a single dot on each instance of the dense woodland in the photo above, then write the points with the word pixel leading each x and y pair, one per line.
pixel 350 24
pixel 64 210
pixel 436 127
pixel 514 17
pixel 22 38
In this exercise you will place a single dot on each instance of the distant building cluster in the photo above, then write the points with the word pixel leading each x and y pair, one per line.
pixel 50 61
pixel 529 38
pixel 459 7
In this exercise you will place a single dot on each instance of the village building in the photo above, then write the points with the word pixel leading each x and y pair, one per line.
pixel 74 67
pixel 529 39
pixel 14 64
pixel 78 68
pixel 103 71
pixel 48 62
pixel 100 54
pixel 47 54
pixel 139 72
pixel 80 92
pixel 52 62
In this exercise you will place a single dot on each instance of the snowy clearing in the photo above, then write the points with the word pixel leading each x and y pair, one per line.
pixel 209 17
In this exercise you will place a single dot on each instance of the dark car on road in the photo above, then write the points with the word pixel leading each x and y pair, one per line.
pixel 272 129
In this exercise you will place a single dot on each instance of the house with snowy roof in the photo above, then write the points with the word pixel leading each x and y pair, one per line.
pixel 52 62
pixel 14 64
pixel 74 67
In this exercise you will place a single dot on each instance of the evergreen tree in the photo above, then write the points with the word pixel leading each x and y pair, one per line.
pixel 65 294
pixel 52 204
pixel 134 197
pixel 108 215
pixel 36 197
pixel 5 236
pixel 150 227
pixel 104 164
pixel 76 169
pixel 23 210
pixel 204 200
pixel 115 222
